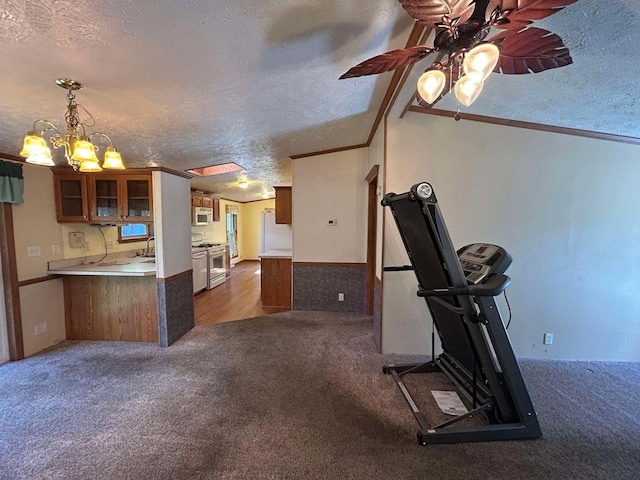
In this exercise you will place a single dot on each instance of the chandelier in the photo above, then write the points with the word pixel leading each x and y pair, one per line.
pixel 79 150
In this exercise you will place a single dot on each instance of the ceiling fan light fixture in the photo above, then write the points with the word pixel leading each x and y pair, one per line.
pixel 243 184
pixel 430 85
pixel 480 61
pixel 467 90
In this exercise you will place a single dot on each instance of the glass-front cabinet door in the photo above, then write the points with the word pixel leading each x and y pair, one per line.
pixel 137 201
pixel 71 193
pixel 105 199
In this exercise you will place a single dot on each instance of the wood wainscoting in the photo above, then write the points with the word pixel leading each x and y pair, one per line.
pixel 111 308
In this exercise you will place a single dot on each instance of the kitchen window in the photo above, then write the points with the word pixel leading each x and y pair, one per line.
pixel 135 232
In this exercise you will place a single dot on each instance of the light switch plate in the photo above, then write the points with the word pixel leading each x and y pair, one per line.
pixel 33 251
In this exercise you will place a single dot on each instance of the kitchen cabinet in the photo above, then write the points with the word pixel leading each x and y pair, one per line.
pixel 283 205
pixel 103 198
pixel 71 198
pixel 275 281
pixel 203 200
pixel 118 198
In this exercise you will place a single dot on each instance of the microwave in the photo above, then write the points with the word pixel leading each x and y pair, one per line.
pixel 201 216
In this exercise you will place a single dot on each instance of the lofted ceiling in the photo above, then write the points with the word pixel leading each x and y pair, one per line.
pixel 190 83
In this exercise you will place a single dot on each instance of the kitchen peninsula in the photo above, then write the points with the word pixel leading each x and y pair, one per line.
pixel 114 299
pixel 275 280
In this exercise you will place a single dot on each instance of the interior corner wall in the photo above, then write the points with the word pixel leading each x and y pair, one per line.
pixel 563 206
pixel 330 259
pixel 252 227
pixel 35 225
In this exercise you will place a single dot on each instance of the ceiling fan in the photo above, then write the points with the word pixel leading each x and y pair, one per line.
pixel 466 57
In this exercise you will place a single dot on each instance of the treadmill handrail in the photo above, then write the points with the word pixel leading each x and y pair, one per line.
pixel 494 286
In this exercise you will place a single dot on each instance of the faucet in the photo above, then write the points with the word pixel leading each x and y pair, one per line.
pixel 147 252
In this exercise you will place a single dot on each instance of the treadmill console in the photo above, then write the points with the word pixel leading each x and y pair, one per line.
pixel 479 260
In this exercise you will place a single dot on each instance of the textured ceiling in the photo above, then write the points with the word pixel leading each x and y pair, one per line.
pixel 191 83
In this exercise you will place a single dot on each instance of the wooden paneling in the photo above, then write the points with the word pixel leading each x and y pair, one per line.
pixel 111 308
pixel 227 260
pixel 10 283
pixel 283 205
pixel 275 282
pixel 372 217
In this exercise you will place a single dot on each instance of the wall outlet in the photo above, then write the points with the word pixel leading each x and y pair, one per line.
pixel 55 249
pixel 341 297
pixel 332 222
pixel 76 239
pixel 40 328
pixel 33 251
pixel 548 338
pixel 110 245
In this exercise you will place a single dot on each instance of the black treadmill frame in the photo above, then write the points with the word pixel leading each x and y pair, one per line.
pixel 493 383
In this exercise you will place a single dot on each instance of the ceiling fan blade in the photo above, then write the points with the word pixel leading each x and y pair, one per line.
pixel 389 61
pixel 531 50
pixel 523 12
pixel 430 12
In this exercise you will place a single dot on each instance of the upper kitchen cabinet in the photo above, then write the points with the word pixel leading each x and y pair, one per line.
pixel 71 198
pixel 120 198
pixel 103 198
pixel 199 199
pixel 283 205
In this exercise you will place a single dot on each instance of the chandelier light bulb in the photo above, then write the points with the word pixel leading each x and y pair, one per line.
pixel 430 85
pixel 33 145
pixel 112 159
pixel 42 157
pixel 89 166
pixel 467 90
pixel 480 61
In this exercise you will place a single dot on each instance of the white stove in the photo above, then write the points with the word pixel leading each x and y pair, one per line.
pixel 216 262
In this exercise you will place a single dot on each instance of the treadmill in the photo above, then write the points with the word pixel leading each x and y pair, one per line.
pixel 460 290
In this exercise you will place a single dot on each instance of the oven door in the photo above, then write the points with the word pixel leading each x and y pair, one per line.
pixel 217 268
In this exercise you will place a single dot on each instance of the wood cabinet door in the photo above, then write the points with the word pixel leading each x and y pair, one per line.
pixel 196 200
pixel 71 198
pixel 207 202
pixel 216 209
pixel 105 199
pixel 137 198
pixel 283 205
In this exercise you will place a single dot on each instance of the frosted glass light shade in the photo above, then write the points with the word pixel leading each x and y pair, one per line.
pixel 83 150
pixel 430 85
pixel 112 159
pixel 43 157
pixel 467 90
pixel 90 166
pixel 243 184
pixel 33 145
pixel 480 61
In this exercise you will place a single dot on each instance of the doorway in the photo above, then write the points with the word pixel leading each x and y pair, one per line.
pixel 232 232
pixel 372 221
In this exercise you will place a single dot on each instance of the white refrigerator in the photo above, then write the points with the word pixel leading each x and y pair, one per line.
pixel 274 236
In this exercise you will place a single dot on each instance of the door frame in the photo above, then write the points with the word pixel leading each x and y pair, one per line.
pixel 10 283
pixel 372 224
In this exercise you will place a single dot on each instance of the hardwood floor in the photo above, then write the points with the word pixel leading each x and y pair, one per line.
pixel 236 299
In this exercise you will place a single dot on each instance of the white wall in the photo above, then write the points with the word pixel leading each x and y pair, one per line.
pixel 563 206
pixel 172 223
pixel 324 187
pixel 35 224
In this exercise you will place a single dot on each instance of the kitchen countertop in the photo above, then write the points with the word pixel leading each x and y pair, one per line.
pixel 120 267
pixel 276 254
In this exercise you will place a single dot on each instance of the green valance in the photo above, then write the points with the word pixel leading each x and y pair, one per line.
pixel 11 182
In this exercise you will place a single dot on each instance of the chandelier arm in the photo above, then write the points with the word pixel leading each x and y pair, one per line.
pixel 104 135
pixel 51 126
